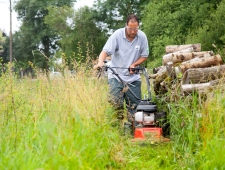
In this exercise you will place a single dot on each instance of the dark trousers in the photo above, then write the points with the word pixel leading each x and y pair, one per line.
pixel 118 94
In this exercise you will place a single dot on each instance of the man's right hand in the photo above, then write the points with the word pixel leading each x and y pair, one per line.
pixel 102 57
pixel 97 66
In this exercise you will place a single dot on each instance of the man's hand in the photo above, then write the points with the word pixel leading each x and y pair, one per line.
pixel 131 69
pixel 102 57
pixel 99 65
pixel 137 63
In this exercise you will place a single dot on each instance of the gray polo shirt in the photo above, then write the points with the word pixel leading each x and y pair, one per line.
pixel 124 53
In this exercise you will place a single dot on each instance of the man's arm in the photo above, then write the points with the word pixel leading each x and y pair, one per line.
pixel 137 63
pixel 101 59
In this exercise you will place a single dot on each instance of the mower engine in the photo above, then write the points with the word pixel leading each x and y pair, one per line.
pixel 148 122
pixel 145 113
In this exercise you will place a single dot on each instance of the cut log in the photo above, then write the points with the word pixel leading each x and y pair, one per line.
pixel 200 63
pixel 170 70
pixel 169 57
pixel 158 78
pixel 156 70
pixel 163 78
pixel 189 88
pixel 181 57
pixel 160 75
pixel 175 48
pixel 203 75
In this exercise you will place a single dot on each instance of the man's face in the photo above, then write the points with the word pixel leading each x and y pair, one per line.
pixel 132 29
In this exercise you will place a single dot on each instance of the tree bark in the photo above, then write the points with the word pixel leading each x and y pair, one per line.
pixel 175 48
pixel 181 57
pixel 201 63
pixel 189 88
pixel 203 75
pixel 169 57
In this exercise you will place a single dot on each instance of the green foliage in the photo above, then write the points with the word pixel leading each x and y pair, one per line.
pixel 212 32
pixel 78 32
pixel 116 12
pixel 85 31
pixel 34 34
pixel 2 39
pixel 175 22
pixel 165 23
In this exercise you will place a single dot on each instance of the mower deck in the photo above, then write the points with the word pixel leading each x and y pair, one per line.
pixel 150 134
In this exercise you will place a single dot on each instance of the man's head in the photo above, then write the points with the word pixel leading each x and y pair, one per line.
pixel 132 25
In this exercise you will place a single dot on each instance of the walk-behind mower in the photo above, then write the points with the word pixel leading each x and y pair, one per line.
pixel 148 123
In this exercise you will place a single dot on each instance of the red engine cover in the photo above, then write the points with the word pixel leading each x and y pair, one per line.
pixel 148 132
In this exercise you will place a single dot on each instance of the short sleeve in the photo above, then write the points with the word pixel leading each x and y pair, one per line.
pixel 111 44
pixel 145 47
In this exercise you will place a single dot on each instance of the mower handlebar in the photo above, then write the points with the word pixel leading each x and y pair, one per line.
pixel 136 70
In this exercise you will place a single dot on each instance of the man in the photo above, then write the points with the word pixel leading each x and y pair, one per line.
pixel 128 48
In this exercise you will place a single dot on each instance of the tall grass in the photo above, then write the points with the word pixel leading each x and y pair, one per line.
pixel 56 124
pixel 197 127
pixel 66 123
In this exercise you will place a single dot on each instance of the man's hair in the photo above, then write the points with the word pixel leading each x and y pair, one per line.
pixel 132 18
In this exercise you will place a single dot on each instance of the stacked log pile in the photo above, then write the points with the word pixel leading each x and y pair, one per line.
pixel 188 68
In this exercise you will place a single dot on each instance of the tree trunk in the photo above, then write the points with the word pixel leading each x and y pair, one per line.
pixel 201 63
pixel 179 58
pixel 203 75
pixel 175 48
pixel 169 57
pixel 189 88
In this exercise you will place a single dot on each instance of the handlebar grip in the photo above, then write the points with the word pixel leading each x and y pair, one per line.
pixel 131 69
pixel 136 70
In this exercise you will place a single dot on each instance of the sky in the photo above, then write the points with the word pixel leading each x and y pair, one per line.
pixel 5 14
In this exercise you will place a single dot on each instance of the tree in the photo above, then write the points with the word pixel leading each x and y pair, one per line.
pixel 4 47
pixel 78 32
pixel 212 31
pixel 2 39
pixel 171 21
pixel 116 12
pixel 85 30
pixel 34 34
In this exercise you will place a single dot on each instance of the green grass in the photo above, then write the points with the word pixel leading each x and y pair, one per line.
pixel 66 123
